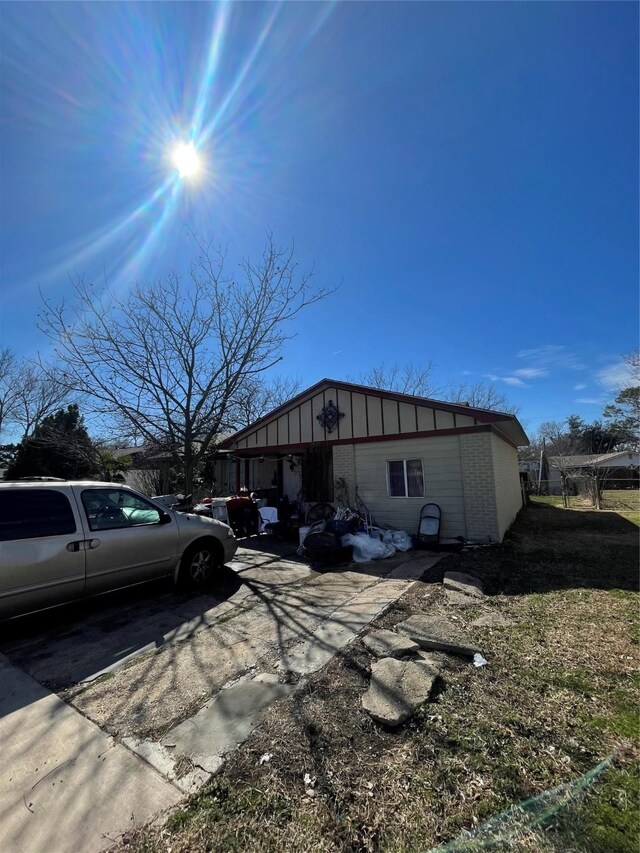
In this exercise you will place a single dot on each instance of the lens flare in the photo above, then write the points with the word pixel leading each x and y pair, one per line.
pixel 186 160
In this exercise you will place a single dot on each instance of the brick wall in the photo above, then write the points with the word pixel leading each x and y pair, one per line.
pixel 476 453
pixel 344 466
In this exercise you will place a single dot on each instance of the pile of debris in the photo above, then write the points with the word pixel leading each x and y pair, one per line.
pixel 410 657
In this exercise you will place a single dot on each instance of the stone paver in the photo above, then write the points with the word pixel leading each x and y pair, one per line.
pixel 460 599
pixel 226 721
pixel 414 568
pixel 397 689
pixel 66 786
pixel 438 633
pixel 388 644
pixel 466 584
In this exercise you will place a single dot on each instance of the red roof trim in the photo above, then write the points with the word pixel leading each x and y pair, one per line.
pixel 482 415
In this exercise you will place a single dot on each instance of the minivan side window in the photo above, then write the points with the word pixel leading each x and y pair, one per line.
pixel 109 509
pixel 34 513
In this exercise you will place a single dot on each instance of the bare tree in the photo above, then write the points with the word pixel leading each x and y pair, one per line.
pixel 28 392
pixel 9 386
pixel 409 379
pixel 418 381
pixel 173 359
pixel 42 392
pixel 481 396
pixel 258 397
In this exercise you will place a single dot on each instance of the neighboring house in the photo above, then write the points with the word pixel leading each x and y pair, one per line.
pixel 338 441
pixel 149 469
pixel 619 469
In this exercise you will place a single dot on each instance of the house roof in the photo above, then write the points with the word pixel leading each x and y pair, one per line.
pixel 505 422
pixel 625 459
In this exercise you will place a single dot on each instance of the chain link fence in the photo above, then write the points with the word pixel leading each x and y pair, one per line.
pixel 595 491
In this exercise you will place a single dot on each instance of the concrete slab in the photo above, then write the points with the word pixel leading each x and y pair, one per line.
pixel 226 721
pixel 388 644
pixel 414 568
pixel 164 762
pixel 341 627
pixel 461 582
pixel 65 786
pixel 438 633
pixel 118 637
pixel 461 599
pixel 397 689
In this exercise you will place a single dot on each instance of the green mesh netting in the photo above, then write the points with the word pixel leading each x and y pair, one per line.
pixel 523 817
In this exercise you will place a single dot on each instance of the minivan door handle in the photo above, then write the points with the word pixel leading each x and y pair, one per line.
pixel 83 545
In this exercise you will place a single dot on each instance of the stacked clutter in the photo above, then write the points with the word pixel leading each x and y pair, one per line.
pixel 323 543
pixel 346 537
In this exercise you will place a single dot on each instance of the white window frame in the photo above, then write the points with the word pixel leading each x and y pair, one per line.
pixel 406 495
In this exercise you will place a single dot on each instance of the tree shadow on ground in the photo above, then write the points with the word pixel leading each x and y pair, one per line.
pixel 65 645
pixel 550 548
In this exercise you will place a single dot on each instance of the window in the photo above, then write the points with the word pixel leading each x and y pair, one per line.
pixel 112 508
pixel 405 478
pixel 33 513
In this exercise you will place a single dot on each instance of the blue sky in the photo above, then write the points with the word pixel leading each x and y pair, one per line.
pixel 466 173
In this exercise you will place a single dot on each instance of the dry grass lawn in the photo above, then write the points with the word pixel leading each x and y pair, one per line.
pixel 560 694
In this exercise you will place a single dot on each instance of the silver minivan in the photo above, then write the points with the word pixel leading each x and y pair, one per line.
pixel 60 540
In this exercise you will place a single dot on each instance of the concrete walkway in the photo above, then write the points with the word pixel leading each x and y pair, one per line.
pixel 66 785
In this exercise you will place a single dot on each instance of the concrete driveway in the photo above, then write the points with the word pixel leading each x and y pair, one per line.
pixel 158 687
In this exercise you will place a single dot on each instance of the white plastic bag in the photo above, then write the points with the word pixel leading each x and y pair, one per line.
pixel 365 548
pixel 400 539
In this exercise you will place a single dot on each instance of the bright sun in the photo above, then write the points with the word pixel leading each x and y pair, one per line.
pixel 186 160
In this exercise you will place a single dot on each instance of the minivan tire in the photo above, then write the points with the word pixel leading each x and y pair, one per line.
pixel 198 564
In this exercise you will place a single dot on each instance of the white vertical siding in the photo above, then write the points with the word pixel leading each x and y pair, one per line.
pixel 408 417
pixel 374 415
pixel 306 434
pixel 390 415
pixel 444 420
pixel 359 415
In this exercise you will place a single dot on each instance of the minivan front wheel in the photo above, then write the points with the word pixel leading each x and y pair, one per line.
pixel 199 563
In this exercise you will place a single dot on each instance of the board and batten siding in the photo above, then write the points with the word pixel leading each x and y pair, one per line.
pixel 442 481
pixel 507 483
pixel 364 415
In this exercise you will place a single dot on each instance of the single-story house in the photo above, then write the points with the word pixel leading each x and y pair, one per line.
pixel 389 453
pixel 618 469
pixel 148 468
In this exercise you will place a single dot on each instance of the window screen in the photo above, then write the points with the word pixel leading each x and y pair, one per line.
pixel 33 513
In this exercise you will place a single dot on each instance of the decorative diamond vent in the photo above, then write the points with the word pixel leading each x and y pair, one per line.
pixel 329 416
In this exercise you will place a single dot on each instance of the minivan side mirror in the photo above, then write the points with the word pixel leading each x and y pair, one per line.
pixel 165 518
